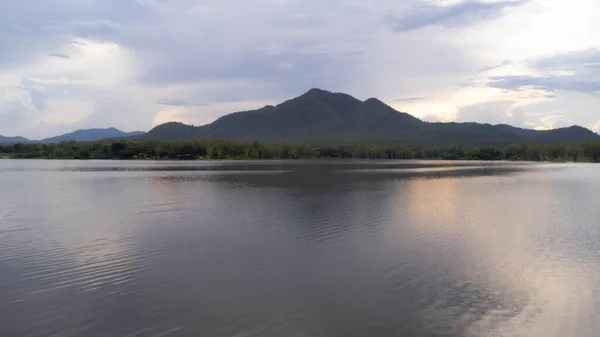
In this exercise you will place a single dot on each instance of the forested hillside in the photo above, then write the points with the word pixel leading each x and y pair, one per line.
pixel 322 117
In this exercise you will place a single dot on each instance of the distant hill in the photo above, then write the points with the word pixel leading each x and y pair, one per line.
pixel 84 135
pixel 13 139
pixel 88 135
pixel 323 117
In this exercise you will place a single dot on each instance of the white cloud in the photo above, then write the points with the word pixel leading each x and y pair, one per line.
pixel 17 110
pixel 170 114
pixel 553 122
pixel 67 112
pixel 493 112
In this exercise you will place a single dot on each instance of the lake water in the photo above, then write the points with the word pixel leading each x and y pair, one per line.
pixel 293 248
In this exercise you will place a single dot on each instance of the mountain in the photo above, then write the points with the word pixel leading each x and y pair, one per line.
pixel 88 135
pixel 324 117
pixel 84 135
pixel 317 116
pixel 13 139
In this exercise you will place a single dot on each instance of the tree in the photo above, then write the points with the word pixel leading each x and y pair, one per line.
pixel 118 147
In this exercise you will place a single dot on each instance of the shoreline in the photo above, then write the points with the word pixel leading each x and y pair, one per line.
pixel 302 159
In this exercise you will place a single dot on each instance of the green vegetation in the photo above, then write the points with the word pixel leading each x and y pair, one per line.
pixel 322 117
pixel 223 149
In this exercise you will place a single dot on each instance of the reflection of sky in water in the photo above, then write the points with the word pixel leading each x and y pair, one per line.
pixel 304 248
pixel 506 253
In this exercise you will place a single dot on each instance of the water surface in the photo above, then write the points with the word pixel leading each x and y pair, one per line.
pixel 299 248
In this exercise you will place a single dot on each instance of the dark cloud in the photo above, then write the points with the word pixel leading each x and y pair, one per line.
pixel 63 56
pixel 461 14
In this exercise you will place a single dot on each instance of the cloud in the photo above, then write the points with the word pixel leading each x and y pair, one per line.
pixel 66 112
pixel 459 14
pixel 410 99
pixel 500 65
pixel 579 108
pixel 573 71
pixel 568 61
pixel 546 83
pixel 170 114
pixel 200 115
pixel 60 56
pixel 132 60
pixel 286 65
pixel 432 118
pixel 17 109
pixel 554 122
pixel 494 112
pixel 506 112
pixel 595 127
pixel 179 102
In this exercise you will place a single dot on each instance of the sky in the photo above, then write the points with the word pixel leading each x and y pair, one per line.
pixel 134 64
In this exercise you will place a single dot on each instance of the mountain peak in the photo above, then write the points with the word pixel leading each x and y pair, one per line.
pixel 317 91
pixel 578 127
pixel 373 100
pixel 316 99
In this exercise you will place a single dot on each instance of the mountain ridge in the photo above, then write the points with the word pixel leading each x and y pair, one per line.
pixel 16 139
pixel 81 135
pixel 320 116
pixel 89 135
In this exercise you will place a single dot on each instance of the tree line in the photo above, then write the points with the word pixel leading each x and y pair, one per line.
pixel 225 149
